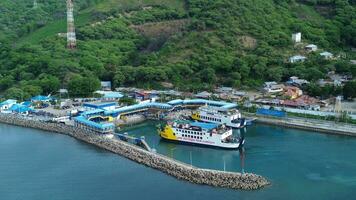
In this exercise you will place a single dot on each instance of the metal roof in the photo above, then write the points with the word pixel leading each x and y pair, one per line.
pixel 93 112
pixel 41 98
pixel 7 102
pixel 20 108
pixel 87 122
pixel 110 94
pixel 99 105
pixel 203 101
pixel 141 106
pixel 325 53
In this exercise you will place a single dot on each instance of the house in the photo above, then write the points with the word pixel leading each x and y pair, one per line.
pixel 224 90
pixel 296 81
pixel 272 87
pixel 337 79
pixel 353 62
pixel 297 37
pixel 20 109
pixel 109 95
pixel 6 105
pixel 145 96
pixel 326 55
pixel 311 47
pixel 303 101
pixel 292 92
pixel 204 95
pixel 297 58
pixel 105 85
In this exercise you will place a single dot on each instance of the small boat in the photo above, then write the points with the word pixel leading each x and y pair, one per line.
pixel 209 134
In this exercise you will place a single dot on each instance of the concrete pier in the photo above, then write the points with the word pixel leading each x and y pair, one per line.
pixel 312 125
pixel 246 181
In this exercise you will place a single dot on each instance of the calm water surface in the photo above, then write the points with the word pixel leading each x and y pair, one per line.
pixel 300 164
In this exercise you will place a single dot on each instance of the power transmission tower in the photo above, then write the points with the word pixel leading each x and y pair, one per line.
pixel 71 39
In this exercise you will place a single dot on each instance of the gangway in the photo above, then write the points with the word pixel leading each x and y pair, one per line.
pixel 137 141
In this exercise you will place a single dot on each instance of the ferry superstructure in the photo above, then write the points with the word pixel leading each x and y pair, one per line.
pixel 201 133
pixel 229 117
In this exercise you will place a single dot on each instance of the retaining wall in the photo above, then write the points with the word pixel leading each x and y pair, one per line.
pixel 246 181
pixel 308 124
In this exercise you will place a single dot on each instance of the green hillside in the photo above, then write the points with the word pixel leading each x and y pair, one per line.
pixel 194 44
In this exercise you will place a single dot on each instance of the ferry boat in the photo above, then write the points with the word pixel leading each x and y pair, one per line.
pixel 201 133
pixel 229 117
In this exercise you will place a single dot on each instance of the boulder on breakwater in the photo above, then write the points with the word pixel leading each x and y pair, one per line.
pixel 246 181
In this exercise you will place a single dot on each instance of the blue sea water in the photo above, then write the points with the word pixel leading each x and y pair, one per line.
pixel 300 164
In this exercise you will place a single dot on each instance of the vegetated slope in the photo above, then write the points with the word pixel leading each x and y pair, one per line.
pixel 21 17
pixel 86 12
pixel 194 44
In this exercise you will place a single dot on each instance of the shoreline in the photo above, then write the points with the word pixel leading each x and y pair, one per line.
pixel 177 169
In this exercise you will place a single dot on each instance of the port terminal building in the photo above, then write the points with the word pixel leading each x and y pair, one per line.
pixel 99 117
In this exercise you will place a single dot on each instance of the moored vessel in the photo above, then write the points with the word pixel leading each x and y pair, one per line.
pixel 229 117
pixel 216 135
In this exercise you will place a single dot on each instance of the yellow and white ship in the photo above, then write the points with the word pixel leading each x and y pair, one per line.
pixel 200 133
pixel 229 117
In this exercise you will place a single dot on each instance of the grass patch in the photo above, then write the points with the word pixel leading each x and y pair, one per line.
pixel 54 28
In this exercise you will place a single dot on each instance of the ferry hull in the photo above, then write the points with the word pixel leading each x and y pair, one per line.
pixel 199 144
pixel 193 143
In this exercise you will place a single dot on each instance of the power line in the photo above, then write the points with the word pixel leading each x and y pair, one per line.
pixel 71 38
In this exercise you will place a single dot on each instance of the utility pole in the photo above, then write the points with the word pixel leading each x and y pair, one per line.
pixel 71 38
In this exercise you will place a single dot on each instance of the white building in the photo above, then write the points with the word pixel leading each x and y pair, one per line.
pixel 294 80
pixel 311 47
pixel 297 37
pixel 326 55
pixel 204 95
pixel 297 58
pixel 272 87
pixel 105 85
pixel 109 95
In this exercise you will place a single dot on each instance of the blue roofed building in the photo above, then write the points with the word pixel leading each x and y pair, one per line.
pixel 40 98
pixel 21 109
pixel 100 127
pixel 6 105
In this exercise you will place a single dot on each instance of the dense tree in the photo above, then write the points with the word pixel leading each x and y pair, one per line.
pixel 350 90
pixel 83 86
pixel 239 43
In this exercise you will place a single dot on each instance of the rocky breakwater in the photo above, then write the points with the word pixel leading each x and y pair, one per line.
pixel 246 181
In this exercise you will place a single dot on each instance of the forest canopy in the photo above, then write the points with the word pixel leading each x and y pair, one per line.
pixel 194 44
